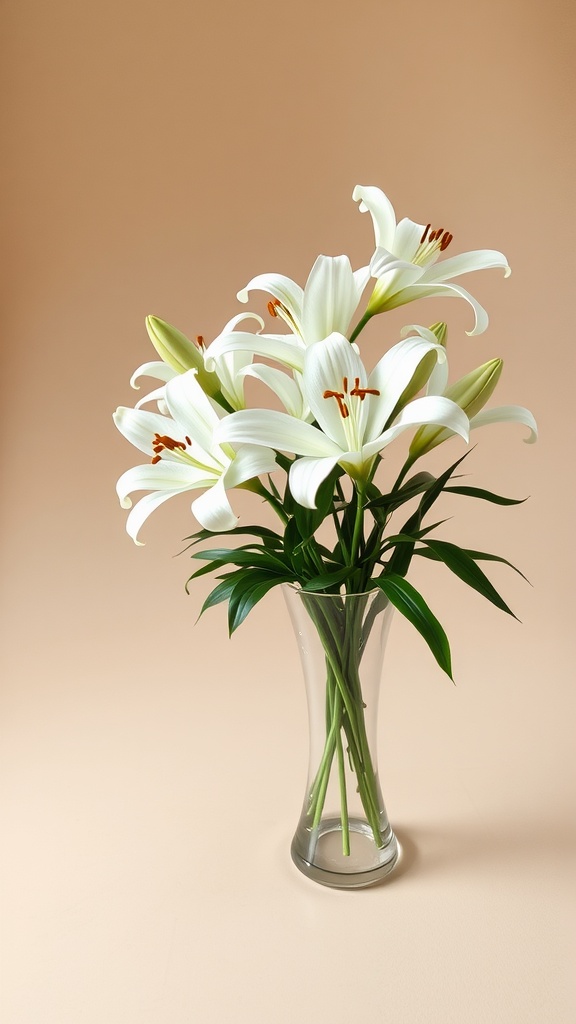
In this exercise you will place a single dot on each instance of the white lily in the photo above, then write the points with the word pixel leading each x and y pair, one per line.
pixel 326 305
pixel 231 366
pixel 223 380
pixel 357 415
pixel 405 260
pixel 185 456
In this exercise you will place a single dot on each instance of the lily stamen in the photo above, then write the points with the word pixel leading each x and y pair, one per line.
pixel 277 308
pixel 339 396
pixel 431 243
pixel 356 392
pixel 362 392
pixel 162 442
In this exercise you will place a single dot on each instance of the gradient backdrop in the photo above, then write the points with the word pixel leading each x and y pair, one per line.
pixel 160 155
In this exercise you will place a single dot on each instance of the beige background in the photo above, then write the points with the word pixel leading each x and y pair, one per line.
pixel 158 156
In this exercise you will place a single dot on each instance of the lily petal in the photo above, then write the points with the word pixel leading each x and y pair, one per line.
pixel 465 263
pixel 331 369
pixel 142 509
pixel 306 475
pixel 507 414
pixel 189 406
pixel 392 272
pixel 275 430
pixel 158 395
pixel 393 374
pixel 372 200
pixel 331 297
pixel 407 239
pixel 280 287
pixel 164 476
pixel 432 409
pixel 424 291
pixel 213 510
pixel 139 427
pixel 283 348
pixel 156 369
pixel 238 319
pixel 250 461
pixel 284 386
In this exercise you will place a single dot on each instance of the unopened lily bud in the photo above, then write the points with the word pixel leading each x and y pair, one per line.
pixel 175 349
pixel 440 330
pixel 471 393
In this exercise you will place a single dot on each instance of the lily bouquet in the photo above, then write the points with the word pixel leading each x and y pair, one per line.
pixel 318 461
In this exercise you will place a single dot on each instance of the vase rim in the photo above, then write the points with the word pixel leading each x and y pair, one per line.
pixel 320 593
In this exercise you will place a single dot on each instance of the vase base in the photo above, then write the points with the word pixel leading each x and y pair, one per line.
pixel 318 855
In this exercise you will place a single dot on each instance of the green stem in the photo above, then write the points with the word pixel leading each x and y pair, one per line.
pixel 347 715
pixel 343 800
pixel 358 524
pixel 360 326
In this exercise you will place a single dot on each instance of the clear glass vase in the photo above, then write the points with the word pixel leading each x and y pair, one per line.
pixel 344 838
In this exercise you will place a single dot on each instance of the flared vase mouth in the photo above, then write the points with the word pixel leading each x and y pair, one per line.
pixel 295 589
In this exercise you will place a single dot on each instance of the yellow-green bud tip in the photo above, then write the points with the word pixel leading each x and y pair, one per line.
pixel 440 330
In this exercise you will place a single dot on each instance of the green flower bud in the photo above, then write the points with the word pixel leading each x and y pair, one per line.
pixel 440 330
pixel 419 380
pixel 177 351
pixel 471 393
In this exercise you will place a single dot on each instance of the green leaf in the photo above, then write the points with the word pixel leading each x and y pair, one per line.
pixel 327 580
pixel 403 538
pixel 412 605
pixel 292 545
pixel 203 571
pixel 268 537
pixel 400 561
pixel 416 485
pixel 247 593
pixel 222 591
pixel 477 556
pixel 436 489
pixel 253 555
pixel 479 492
pixel 463 565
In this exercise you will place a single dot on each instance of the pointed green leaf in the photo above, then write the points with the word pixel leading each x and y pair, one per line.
pixel 462 565
pixel 251 555
pixel 247 593
pixel 328 579
pixel 416 485
pixel 412 605
pixel 267 536
pixel 400 561
pixel 478 556
pixel 479 492
pixel 222 591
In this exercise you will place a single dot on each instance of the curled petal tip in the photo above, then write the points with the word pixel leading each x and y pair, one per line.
pixel 478 329
pixel 242 295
